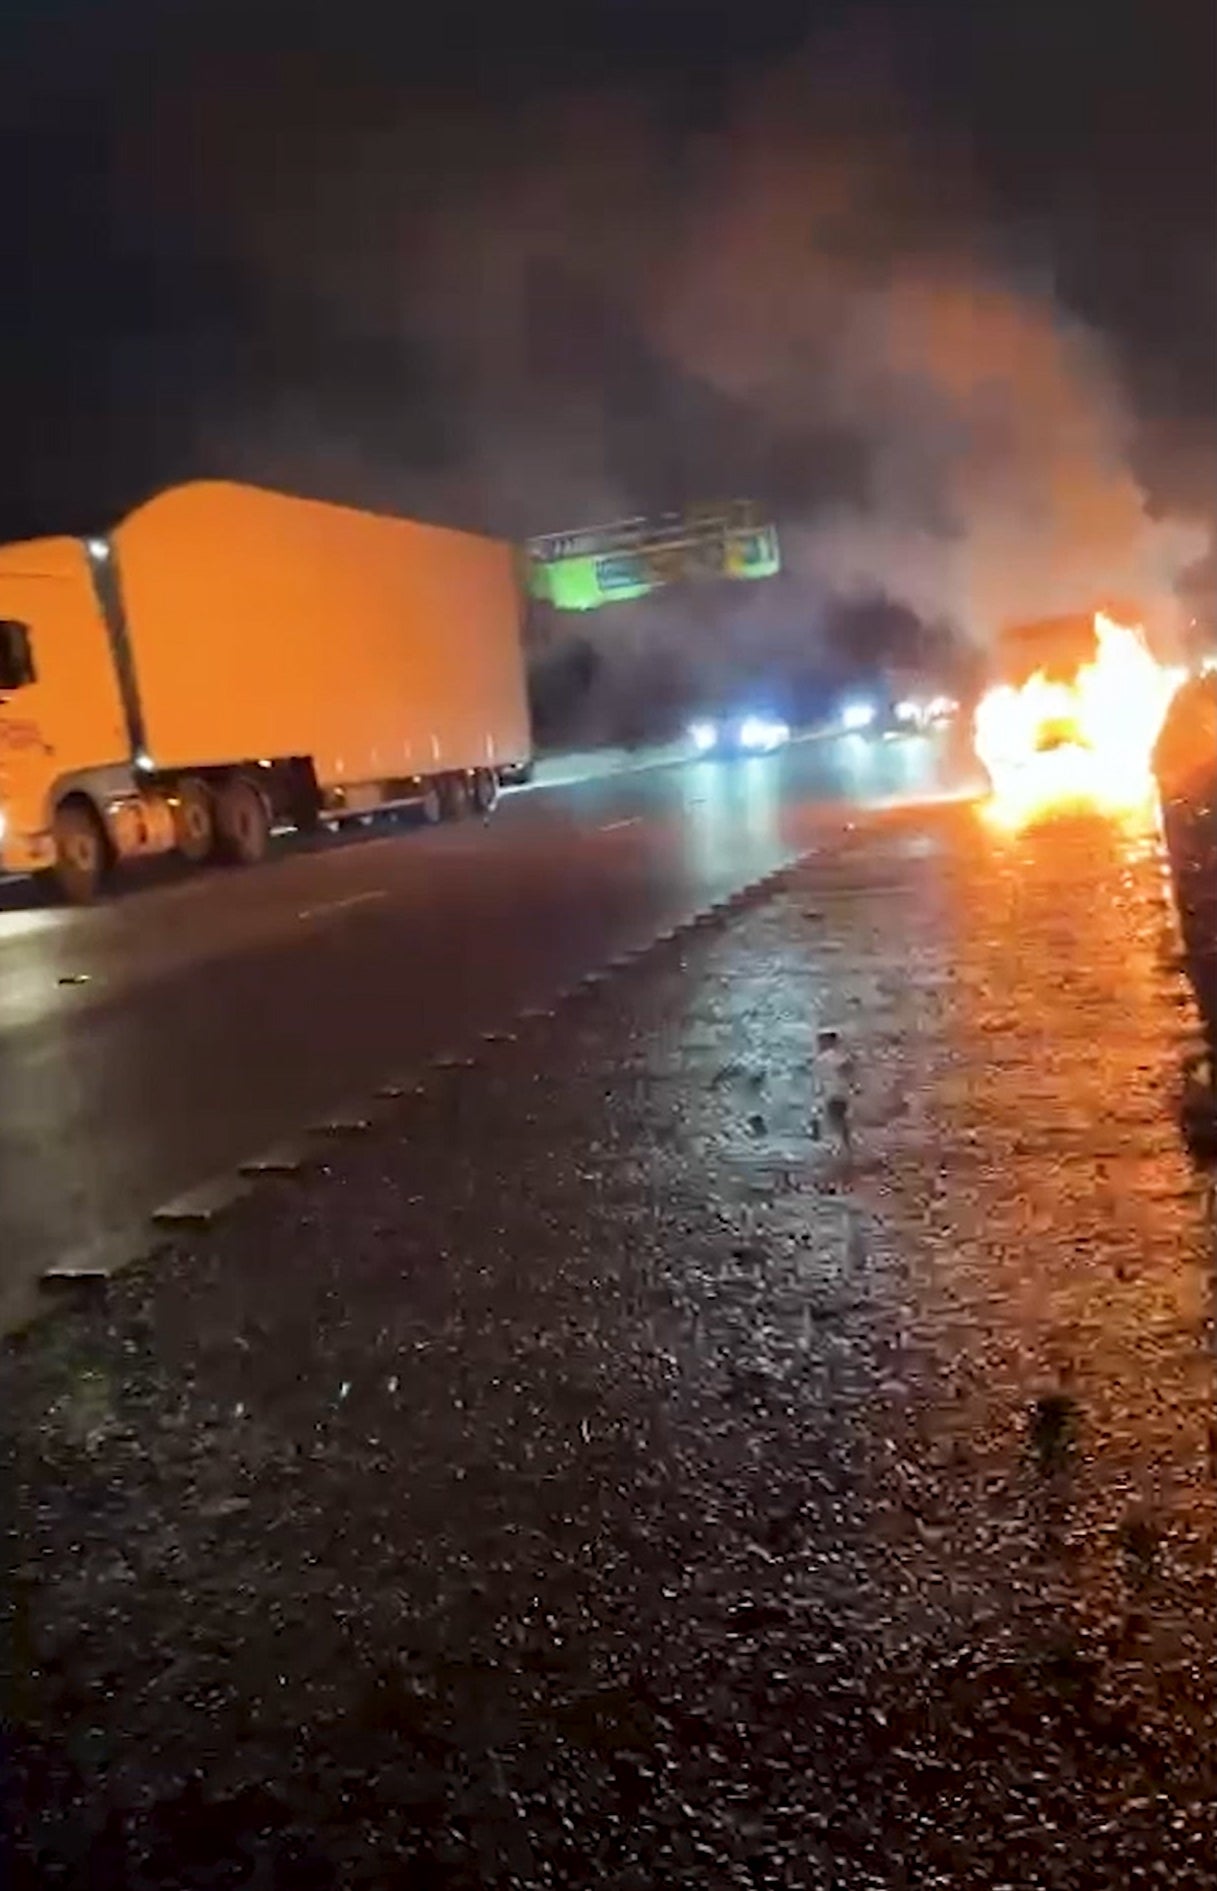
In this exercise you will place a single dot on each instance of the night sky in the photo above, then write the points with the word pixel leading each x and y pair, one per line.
pixel 452 260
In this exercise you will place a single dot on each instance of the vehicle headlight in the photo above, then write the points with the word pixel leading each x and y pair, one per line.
pixel 703 735
pixel 763 732
pixel 857 716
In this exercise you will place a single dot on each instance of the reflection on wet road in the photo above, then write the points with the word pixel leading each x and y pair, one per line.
pixel 163 1038
pixel 756 1430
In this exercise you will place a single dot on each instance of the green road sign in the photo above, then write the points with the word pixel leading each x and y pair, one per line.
pixel 583 571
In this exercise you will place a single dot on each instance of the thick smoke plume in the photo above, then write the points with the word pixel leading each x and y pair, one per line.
pixel 576 309
pixel 821 290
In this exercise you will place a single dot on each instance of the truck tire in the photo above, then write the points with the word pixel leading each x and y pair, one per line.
pixel 194 820
pixel 431 803
pixel 454 797
pixel 485 790
pixel 242 822
pixel 82 852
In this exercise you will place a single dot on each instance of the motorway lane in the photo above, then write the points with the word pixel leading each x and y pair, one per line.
pixel 606 1478
pixel 160 1039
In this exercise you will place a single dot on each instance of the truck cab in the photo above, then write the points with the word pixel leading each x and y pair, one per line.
pixel 61 716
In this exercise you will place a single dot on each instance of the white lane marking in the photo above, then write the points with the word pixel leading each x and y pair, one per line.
pixel 199 1207
pixel 339 906
pixel 345 1123
pixel 611 827
pixel 101 1258
pixel 287 1158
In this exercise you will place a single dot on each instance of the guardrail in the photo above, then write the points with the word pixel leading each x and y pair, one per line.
pixel 564 770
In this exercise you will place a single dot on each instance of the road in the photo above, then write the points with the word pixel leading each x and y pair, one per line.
pixel 154 1042
pixel 606 1475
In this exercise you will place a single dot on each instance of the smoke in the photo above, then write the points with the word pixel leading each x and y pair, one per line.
pixel 1002 484
pixel 820 288
pixel 568 307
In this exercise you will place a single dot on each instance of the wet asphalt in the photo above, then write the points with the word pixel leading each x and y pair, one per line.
pixel 752 1428
pixel 161 1038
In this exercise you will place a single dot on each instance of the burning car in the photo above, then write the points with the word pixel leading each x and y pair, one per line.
pixel 1073 712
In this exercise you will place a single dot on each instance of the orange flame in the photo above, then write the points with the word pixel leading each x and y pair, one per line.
pixel 1088 740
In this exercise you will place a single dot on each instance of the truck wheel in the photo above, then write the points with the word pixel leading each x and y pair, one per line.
pixel 454 796
pixel 194 821
pixel 485 789
pixel 82 852
pixel 431 803
pixel 242 822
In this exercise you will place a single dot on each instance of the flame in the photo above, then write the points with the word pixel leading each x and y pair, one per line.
pixel 1089 740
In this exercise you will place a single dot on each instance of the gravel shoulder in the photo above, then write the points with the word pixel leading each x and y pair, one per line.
pixel 610 1473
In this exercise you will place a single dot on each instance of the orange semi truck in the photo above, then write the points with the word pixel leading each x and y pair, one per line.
pixel 229 660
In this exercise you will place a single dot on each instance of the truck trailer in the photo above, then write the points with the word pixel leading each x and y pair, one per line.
pixel 229 660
